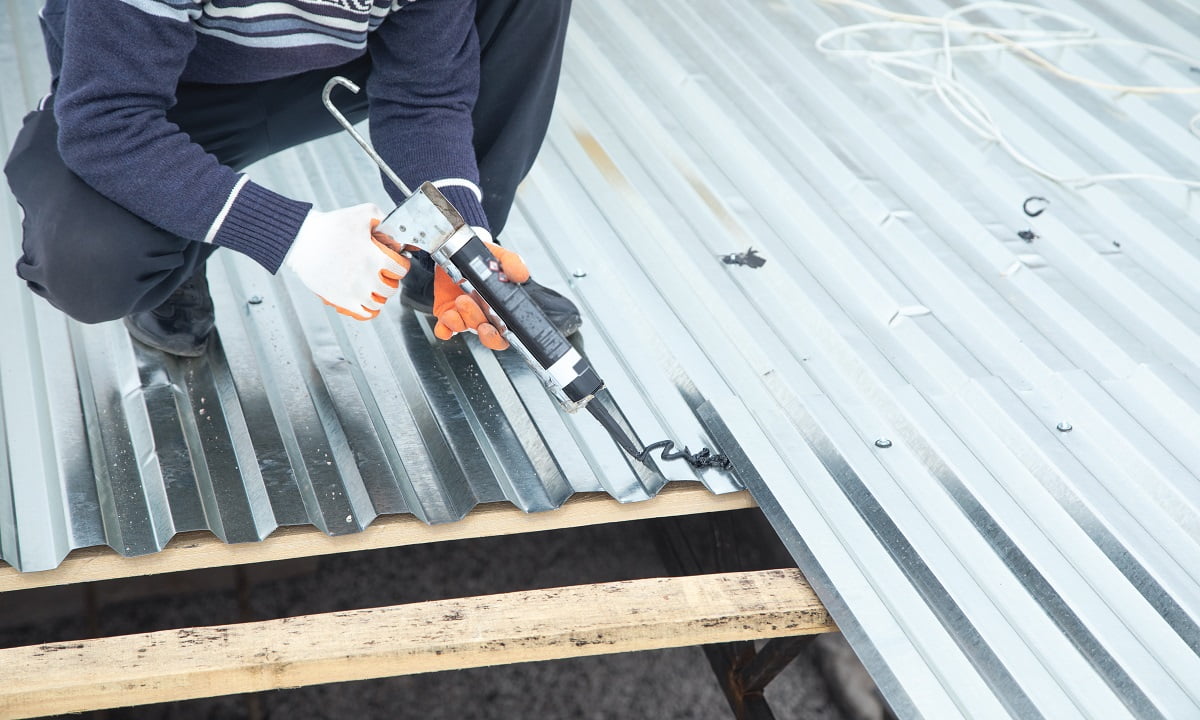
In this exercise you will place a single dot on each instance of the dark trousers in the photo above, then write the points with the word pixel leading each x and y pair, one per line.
pixel 96 261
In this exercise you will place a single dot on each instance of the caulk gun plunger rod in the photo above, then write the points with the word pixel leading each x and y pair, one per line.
pixel 337 114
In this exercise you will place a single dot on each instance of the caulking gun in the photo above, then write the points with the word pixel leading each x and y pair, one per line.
pixel 427 220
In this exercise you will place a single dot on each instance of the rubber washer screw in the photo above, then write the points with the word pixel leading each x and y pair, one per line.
pixel 883 443
pixel 1065 426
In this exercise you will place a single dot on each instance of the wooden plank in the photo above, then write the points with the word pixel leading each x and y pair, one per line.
pixel 407 639
pixel 192 551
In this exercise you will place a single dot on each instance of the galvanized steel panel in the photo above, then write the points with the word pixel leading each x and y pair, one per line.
pixel 891 384
pixel 294 416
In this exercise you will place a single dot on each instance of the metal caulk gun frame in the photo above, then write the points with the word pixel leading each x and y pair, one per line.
pixel 428 221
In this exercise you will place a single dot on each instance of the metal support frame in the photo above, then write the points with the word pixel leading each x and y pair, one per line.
pixel 744 672
pixel 710 544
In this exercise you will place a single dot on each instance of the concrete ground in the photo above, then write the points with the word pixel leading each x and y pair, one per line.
pixel 661 684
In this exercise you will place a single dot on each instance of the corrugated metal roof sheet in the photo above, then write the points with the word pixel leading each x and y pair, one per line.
pixel 986 563
pixel 295 416
pixel 983 564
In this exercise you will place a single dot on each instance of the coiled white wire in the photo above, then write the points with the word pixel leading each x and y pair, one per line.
pixel 904 68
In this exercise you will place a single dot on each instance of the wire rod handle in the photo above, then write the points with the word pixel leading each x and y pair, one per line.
pixel 337 114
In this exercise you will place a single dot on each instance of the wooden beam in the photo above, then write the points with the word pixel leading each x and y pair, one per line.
pixel 407 639
pixel 192 551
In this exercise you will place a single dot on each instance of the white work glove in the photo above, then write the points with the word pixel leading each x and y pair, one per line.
pixel 337 256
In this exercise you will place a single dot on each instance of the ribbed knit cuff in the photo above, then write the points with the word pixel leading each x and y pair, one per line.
pixel 464 201
pixel 262 225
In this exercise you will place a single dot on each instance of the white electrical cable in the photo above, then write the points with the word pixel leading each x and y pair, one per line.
pixel 904 68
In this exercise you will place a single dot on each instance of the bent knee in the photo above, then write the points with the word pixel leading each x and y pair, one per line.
pixel 92 282
pixel 87 255
pixel 86 297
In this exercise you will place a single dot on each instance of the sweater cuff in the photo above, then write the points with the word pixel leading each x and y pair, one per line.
pixel 467 205
pixel 262 224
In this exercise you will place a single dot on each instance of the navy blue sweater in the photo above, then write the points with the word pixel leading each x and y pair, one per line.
pixel 118 62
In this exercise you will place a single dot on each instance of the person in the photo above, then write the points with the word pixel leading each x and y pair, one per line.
pixel 128 172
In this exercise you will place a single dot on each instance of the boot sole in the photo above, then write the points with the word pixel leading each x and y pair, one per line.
pixel 150 341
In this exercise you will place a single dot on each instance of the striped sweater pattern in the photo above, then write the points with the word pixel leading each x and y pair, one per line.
pixel 343 23
pixel 117 63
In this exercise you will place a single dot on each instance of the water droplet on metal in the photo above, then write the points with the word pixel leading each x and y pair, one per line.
pixel 579 273
pixel 883 443
pixel 255 300
pixel 1065 426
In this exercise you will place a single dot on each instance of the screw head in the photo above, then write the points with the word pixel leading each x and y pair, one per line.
pixel 883 443
pixel 580 273
pixel 255 300
pixel 1065 426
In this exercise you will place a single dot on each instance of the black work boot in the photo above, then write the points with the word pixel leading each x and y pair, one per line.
pixel 416 292
pixel 182 324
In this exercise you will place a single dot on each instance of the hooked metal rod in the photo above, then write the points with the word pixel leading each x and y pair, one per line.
pixel 337 114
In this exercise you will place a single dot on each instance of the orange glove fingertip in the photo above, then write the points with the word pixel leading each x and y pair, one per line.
pixel 470 312
pixel 491 338
pixel 453 320
pixel 512 264
pixel 389 278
